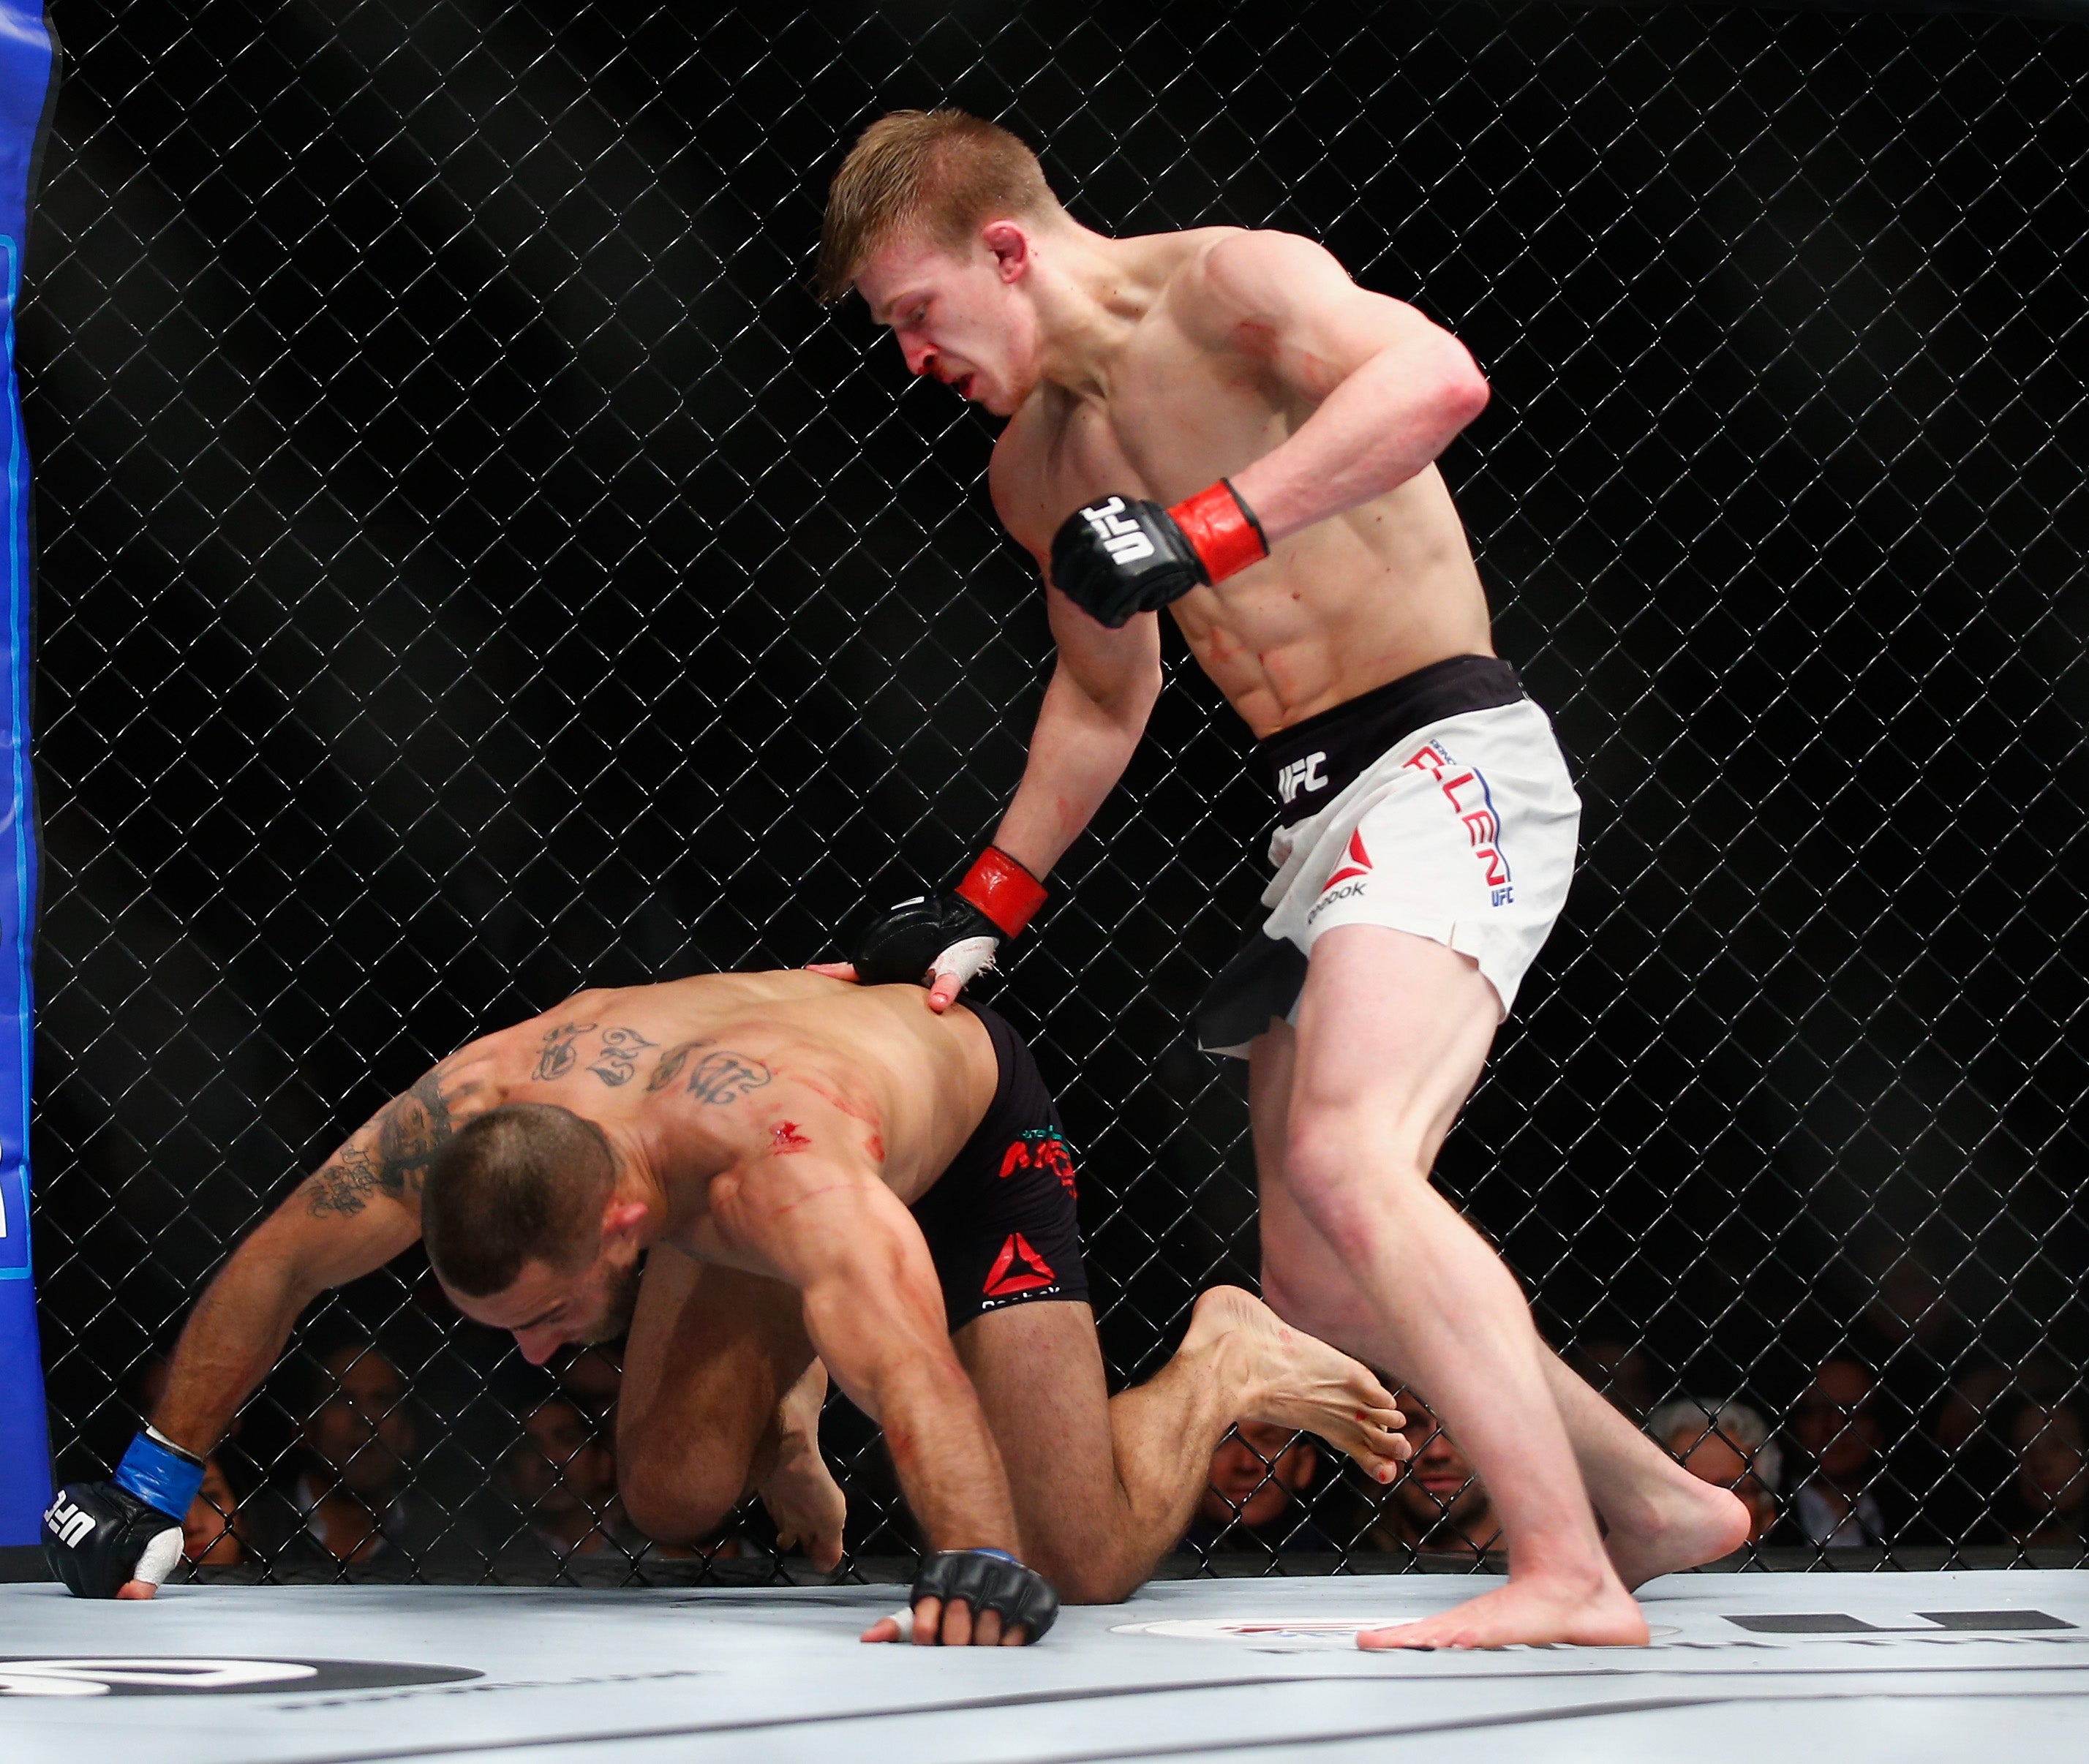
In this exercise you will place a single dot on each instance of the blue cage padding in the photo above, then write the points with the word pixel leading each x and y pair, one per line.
pixel 27 65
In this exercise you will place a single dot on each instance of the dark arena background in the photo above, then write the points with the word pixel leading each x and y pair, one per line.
pixel 472 567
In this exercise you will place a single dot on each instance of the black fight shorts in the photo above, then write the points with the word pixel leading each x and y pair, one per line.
pixel 1001 1221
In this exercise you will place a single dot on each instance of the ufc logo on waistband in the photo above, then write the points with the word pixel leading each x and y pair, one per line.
pixel 1301 775
pixel 1123 539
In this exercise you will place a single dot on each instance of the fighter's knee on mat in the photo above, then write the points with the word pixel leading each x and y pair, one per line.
pixel 1080 1578
pixel 674 1503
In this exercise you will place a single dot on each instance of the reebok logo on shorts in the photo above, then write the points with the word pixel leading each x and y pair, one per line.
pixel 1040 1147
pixel 1352 876
pixel 1465 789
pixel 1018 1269
pixel 1356 861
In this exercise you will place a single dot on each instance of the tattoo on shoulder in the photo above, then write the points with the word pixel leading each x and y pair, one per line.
pixel 561 1052
pixel 391 1156
pixel 615 1058
pixel 720 1075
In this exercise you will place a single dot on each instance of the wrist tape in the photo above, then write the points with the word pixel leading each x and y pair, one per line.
pixel 160 1473
pixel 1003 890
pixel 1221 529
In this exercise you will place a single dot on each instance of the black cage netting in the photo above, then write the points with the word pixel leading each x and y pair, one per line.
pixel 472 569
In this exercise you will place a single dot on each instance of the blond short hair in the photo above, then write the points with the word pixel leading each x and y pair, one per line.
pixel 941 173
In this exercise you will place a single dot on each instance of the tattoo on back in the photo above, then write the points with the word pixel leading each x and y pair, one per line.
pixel 615 1061
pixel 721 1076
pixel 391 1156
pixel 560 1054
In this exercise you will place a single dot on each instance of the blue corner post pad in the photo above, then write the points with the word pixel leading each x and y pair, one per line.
pixel 159 1476
pixel 27 65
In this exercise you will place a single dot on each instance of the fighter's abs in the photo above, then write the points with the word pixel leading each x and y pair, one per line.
pixel 1334 611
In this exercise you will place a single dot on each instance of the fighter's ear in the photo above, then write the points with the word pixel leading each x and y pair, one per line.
pixel 1010 246
pixel 621 1220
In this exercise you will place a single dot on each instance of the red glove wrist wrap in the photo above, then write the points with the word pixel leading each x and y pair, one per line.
pixel 1003 890
pixel 1221 529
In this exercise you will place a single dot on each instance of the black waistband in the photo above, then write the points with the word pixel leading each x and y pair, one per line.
pixel 1311 763
pixel 1008 1056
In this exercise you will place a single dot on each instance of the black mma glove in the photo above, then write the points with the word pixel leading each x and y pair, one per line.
pixel 956 932
pixel 99 1535
pixel 1119 556
pixel 990 1580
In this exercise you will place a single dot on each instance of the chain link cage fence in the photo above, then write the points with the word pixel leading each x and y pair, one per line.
pixel 472 569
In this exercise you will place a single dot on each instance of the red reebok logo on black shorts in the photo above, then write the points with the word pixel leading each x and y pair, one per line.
pixel 1016 1268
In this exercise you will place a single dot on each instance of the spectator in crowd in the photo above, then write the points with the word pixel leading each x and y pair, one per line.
pixel 1438 1505
pixel 1728 1444
pixel 1835 1425
pixel 563 1481
pixel 213 1534
pixel 1970 1402
pixel 354 1495
pixel 2050 1491
pixel 1253 1501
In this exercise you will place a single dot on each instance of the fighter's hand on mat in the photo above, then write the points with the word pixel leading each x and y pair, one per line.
pixel 1122 556
pixel 977 1598
pixel 120 1537
pixel 944 941
pixel 104 1542
pixel 807 1505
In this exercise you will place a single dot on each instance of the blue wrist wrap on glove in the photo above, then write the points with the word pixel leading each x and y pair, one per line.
pixel 160 1476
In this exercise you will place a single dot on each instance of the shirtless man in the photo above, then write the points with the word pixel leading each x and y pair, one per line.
pixel 1315 564
pixel 762 1175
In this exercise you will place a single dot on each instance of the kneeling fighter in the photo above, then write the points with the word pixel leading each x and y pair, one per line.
pixel 762 1176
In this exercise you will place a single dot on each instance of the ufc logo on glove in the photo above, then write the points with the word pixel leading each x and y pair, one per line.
pixel 1124 540
pixel 68 1522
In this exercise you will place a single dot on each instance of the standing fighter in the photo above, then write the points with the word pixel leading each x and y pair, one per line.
pixel 1222 422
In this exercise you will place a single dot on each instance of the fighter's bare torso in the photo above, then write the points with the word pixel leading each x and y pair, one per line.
pixel 701 1075
pixel 1187 395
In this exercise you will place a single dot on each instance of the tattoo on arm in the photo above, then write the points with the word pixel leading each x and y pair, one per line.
pixel 391 1155
pixel 342 1185
pixel 719 1077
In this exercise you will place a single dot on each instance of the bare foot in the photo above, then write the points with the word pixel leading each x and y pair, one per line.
pixel 1693 1522
pixel 1530 1610
pixel 1296 1381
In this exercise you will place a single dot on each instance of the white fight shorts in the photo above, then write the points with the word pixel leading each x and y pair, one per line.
pixel 1438 804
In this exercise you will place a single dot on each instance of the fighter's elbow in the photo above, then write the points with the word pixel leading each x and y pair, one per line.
pixel 1136 695
pixel 1461 391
